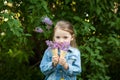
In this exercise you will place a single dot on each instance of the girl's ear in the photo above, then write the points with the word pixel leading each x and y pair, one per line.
pixel 72 37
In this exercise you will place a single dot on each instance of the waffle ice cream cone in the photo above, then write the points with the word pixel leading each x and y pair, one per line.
pixel 55 52
pixel 62 79
pixel 63 53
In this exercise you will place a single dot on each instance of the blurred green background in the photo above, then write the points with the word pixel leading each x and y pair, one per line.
pixel 97 27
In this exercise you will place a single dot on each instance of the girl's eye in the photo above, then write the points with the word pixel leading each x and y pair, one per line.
pixel 65 37
pixel 57 37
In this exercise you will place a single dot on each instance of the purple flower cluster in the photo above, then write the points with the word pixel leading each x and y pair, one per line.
pixel 47 21
pixel 38 29
pixel 64 46
pixel 52 45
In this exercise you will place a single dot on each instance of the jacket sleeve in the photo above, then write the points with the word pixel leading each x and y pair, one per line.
pixel 74 64
pixel 46 63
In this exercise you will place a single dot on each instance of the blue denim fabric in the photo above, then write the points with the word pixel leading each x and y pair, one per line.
pixel 73 59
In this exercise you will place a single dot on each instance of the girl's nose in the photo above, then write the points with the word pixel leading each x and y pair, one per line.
pixel 61 40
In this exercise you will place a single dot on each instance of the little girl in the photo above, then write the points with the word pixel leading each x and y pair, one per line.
pixel 60 64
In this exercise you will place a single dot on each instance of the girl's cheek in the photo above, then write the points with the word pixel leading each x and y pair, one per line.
pixel 68 41
pixel 57 41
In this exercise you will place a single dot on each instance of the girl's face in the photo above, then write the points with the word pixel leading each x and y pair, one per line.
pixel 61 36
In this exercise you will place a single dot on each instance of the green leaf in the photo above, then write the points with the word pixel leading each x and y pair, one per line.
pixel 67 1
pixel 98 10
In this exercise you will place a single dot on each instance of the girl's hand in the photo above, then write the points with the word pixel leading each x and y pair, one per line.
pixel 62 61
pixel 55 60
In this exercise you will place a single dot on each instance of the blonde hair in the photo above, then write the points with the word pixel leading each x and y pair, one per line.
pixel 66 26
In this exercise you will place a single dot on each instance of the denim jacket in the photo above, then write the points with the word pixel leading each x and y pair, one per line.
pixel 59 73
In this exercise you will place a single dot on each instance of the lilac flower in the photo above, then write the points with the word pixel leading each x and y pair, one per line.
pixel 38 29
pixel 56 45
pixel 64 46
pixel 51 44
pixel 47 21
